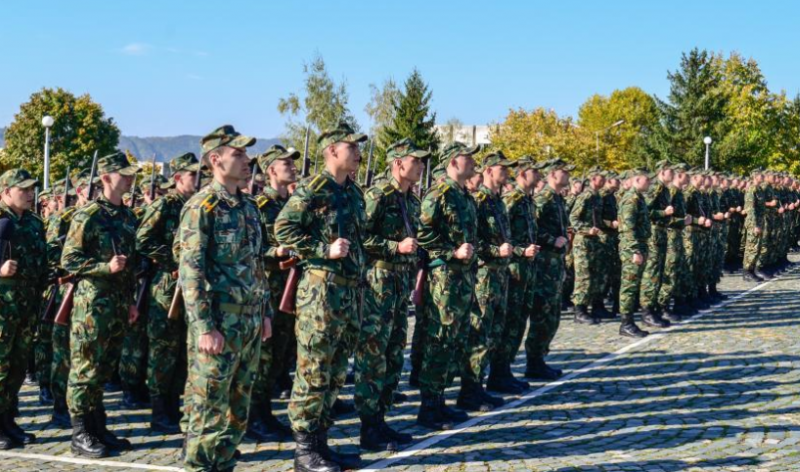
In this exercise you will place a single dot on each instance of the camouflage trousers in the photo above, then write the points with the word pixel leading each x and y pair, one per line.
pixel 97 328
pixel 379 352
pixel 328 322
pixel 752 249
pixel 654 268
pixel 589 269
pixel 521 283
pixel 674 267
pixel 546 314
pixel 221 385
pixel 448 301
pixel 18 307
pixel 43 345
pixel 613 270
pixel 133 359
pixel 692 247
pixel 720 247
pixel 631 284
pixel 277 352
pixel 487 321
pixel 166 341
pixel 59 370
pixel 735 227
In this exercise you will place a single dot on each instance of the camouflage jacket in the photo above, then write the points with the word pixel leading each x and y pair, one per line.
pixel 448 219
pixel 28 248
pixel 658 199
pixel 219 241
pixel 385 223
pixel 609 211
pixel 157 229
pixel 587 211
pixel 57 229
pixel 522 220
pixel 319 212
pixel 98 230
pixel 634 223
pixel 678 202
pixel 270 203
pixel 553 219
pixel 493 226
pixel 754 206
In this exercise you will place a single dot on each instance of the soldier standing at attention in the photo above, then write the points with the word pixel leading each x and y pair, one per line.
pixel 100 251
pixel 224 292
pixel 587 219
pixel 23 275
pixel 324 223
pixel 661 211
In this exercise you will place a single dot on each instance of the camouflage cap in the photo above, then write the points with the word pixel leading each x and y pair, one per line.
pixel 438 171
pixel 117 162
pixel 639 171
pixel 681 167
pixel 661 165
pixel 274 153
pixel 161 182
pixel 343 132
pixel 83 178
pixel 625 175
pixel 596 170
pixel 225 135
pixel 405 147
pixel 496 159
pixel 527 162
pixel 610 174
pixel 17 178
pixel 456 148
pixel 557 164
pixel 184 163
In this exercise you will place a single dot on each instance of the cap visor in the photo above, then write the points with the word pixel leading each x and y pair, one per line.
pixel 242 142
pixel 355 138
pixel 130 170
pixel 27 183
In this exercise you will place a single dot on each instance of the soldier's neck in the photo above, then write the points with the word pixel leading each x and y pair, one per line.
pixel 283 190
pixel 115 198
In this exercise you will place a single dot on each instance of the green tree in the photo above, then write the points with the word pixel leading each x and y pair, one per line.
pixel 322 104
pixel 412 119
pixel 621 146
pixel 80 129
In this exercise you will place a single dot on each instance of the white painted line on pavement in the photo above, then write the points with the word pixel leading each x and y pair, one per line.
pixel 476 420
pixel 76 460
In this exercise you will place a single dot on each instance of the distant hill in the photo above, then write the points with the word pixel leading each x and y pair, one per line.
pixel 167 147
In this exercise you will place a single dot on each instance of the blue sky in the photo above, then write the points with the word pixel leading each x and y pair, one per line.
pixel 163 68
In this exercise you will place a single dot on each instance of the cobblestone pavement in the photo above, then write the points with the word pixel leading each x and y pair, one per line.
pixel 718 393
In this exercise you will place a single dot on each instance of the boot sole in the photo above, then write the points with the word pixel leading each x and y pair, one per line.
pixel 77 452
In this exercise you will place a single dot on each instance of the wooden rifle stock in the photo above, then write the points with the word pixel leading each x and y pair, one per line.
pixel 175 307
pixel 289 296
pixel 419 286
pixel 62 316
pixel 50 308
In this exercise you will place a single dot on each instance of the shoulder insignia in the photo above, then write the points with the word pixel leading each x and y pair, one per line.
pixel 317 183
pixel 261 200
pixel 480 196
pixel 209 203
pixel 387 189
pixel 67 215
pixel 442 188
pixel 92 208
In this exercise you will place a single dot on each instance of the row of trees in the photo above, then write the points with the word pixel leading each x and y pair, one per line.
pixel 726 98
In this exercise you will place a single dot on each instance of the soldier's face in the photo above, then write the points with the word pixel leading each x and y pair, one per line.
pixel 499 175
pixel 117 182
pixel 283 171
pixel 641 183
pixel 231 163
pixel 410 168
pixel 465 166
pixel 474 182
pixel 347 155
pixel 19 199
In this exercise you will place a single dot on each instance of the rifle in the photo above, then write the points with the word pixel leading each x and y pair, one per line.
pixel 306 159
pixel 146 268
pixel 369 174
pixel 62 316
pixel 37 206
pixel 177 297
pixel 251 187
pixel 50 308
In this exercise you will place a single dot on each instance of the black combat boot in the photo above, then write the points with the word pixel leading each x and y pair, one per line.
pixel 582 316
pixel 131 400
pixel 500 381
pixel 672 314
pixel 762 275
pixel 457 416
pixel 525 386
pixel 84 439
pixel 345 461
pixel 651 319
pixel 750 276
pixel 6 442
pixel 341 408
pixel 538 369
pixel 429 415
pixel 599 311
pixel 307 456
pixel 13 431
pixel 629 328
pixel 374 437
pixel 60 414
pixel 105 436
pixel 160 420
pixel 45 396
pixel 469 398
pixel 400 438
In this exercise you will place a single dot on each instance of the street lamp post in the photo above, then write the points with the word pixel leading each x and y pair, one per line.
pixel 597 136
pixel 707 141
pixel 47 122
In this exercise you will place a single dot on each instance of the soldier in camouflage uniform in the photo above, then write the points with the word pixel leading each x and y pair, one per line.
pixel 576 186
pixel 23 275
pixel 587 220
pixel 552 237
pixel 277 163
pixel 754 210
pixel 522 275
pixel 99 251
pixel 609 238
pixel 487 320
pixel 392 212
pixel 661 211
pixel 449 233
pixel 166 359
pixel 675 261
pixel 226 301
pixel 634 234
pixel 324 223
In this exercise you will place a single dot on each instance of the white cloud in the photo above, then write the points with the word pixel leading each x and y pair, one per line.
pixel 136 49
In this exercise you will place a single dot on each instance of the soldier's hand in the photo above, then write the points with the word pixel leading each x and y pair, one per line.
pixel 594 231
pixel 669 210
pixel 727 215
pixel 707 223
pixel 615 224
pixel 282 251
pixel 688 220
pixel 211 342
pixel 531 250
pixel 339 249
pixel 117 264
pixel 757 231
pixel 506 250
pixel 780 210
pixel 744 212
pixel 266 329
pixel 738 208
pixel 407 246
pixel 9 268
pixel 638 259
pixel 464 251
pixel 701 221
pixel 133 314
pixel 560 242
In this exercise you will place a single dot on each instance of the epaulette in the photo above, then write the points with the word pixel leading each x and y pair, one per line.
pixel 514 196
pixel 442 188
pixel 387 189
pixel 209 203
pixel 66 217
pixel 262 200
pixel 91 208
pixel 317 183
pixel 480 196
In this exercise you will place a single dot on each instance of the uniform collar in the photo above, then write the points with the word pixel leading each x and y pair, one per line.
pixel 222 193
